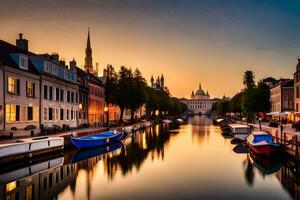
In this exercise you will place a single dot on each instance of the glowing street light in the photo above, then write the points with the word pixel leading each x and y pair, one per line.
pixel 106 112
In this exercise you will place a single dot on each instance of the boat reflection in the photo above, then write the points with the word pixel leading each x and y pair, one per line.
pixel 249 171
pixel 47 179
pixel 84 154
pixel 266 166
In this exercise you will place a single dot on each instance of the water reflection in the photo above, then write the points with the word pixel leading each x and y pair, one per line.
pixel 192 161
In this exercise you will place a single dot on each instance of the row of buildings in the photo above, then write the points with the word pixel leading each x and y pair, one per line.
pixel 285 97
pixel 40 92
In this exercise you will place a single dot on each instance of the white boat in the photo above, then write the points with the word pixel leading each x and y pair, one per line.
pixel 30 170
pixel 31 147
pixel 167 121
pixel 240 131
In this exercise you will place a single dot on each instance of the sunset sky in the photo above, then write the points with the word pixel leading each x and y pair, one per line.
pixel 189 41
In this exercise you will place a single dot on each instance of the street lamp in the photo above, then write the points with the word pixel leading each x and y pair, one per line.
pixel 106 113
pixel 259 121
pixel 79 117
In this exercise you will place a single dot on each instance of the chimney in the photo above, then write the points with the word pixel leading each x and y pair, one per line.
pixel 22 43
pixel 73 65
pixel 55 57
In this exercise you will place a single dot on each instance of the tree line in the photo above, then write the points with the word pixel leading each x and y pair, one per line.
pixel 128 89
pixel 251 100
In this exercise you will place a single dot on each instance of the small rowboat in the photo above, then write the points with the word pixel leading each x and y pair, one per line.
pixel 97 140
pixel 262 143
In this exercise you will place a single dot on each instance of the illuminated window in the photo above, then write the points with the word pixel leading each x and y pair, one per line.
pixel 12 113
pixel 13 85
pixel 30 87
pixel 29 193
pixel 11 186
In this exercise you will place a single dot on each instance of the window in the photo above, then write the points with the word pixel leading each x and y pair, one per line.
pixel 68 96
pixel 13 85
pixel 50 93
pixel 45 114
pixel 50 114
pixel 57 94
pixel 72 115
pixel 50 180
pixel 23 62
pixel 61 114
pixel 30 89
pixel 72 97
pixel 12 113
pixel 29 113
pixel 67 114
pixel 45 92
pixel 76 95
pixel 61 95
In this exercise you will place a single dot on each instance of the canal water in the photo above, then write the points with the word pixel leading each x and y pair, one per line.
pixel 190 161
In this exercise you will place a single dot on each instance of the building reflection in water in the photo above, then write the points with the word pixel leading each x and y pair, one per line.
pixel 60 178
pixel 57 175
pixel 138 147
pixel 200 128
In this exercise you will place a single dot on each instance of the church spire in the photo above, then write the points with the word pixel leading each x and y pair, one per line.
pixel 88 46
pixel 88 66
pixel 200 86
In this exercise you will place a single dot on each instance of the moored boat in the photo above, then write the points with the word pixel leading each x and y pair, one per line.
pixel 97 140
pixel 262 143
pixel 240 131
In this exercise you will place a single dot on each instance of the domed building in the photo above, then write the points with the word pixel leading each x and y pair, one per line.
pixel 200 94
pixel 199 102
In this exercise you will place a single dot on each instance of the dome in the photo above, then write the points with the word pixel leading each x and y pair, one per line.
pixel 200 92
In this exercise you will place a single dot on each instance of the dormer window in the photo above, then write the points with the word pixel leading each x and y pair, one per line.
pixel 23 62
pixel 50 68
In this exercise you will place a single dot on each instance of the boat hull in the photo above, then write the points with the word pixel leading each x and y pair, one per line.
pixel 92 143
pixel 265 150
pixel 241 137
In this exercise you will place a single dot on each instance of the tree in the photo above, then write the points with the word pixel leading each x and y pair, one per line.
pixel 110 85
pixel 263 97
pixel 248 79
pixel 138 94
pixel 223 107
pixel 124 87
pixel 235 104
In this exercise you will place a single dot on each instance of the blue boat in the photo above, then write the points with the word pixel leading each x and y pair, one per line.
pixel 96 140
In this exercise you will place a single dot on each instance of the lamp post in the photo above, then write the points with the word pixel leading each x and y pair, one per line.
pixel 106 113
pixel 259 122
pixel 79 117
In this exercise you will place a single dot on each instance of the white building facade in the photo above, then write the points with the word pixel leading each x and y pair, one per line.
pixel 199 102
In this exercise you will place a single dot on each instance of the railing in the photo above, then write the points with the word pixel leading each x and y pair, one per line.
pixel 289 141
